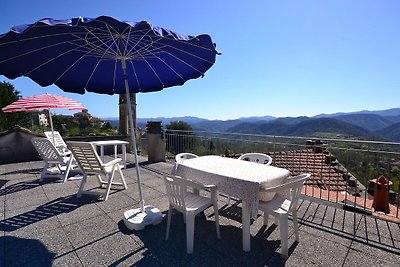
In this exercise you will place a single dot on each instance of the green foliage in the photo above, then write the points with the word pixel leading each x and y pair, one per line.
pixel 8 95
pixel 179 125
pixel 82 126
pixel 181 137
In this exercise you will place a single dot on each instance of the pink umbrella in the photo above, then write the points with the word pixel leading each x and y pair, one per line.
pixel 45 101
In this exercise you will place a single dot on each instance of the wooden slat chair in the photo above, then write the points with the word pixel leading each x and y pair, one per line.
pixel 280 207
pixel 53 159
pixel 189 204
pixel 58 142
pixel 91 164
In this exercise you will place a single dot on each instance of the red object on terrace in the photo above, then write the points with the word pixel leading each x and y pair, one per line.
pixel 381 194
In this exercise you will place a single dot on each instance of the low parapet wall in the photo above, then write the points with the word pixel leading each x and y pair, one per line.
pixel 16 146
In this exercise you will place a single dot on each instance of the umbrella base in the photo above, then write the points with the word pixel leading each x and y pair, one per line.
pixel 135 219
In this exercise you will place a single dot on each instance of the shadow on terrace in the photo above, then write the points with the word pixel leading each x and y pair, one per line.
pixel 47 224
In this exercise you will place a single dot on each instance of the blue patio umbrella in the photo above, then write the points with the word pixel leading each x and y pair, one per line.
pixel 106 56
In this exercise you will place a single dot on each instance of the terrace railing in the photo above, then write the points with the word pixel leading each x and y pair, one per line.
pixel 345 171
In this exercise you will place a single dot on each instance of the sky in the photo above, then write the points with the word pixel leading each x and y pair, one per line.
pixel 278 58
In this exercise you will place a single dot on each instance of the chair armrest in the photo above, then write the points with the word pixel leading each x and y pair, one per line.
pixel 65 153
pixel 110 163
pixel 197 185
pixel 286 184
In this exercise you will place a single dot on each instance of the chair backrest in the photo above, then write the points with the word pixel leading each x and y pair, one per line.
pixel 47 150
pixel 86 156
pixel 183 156
pixel 294 184
pixel 58 140
pixel 176 190
pixel 257 158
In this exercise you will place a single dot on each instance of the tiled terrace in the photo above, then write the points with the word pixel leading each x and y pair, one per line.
pixel 45 224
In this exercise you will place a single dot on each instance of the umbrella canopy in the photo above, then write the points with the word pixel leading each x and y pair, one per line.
pixel 106 56
pixel 83 54
pixel 45 101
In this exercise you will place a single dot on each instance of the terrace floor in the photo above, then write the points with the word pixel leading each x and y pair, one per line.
pixel 44 224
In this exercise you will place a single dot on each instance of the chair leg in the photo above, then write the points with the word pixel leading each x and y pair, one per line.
pixel 216 215
pixel 189 232
pixel 67 170
pixel 283 228
pixel 296 225
pixel 168 222
pixel 83 182
pixel 101 182
pixel 266 217
pixel 44 171
pixel 111 177
pixel 122 176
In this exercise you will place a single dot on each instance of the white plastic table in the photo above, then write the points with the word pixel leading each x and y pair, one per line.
pixel 237 178
pixel 114 143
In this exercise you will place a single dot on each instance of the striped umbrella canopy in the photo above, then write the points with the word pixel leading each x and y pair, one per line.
pixel 41 102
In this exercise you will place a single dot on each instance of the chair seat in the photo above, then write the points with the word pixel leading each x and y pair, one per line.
pixel 278 204
pixel 281 206
pixel 190 204
pixel 195 202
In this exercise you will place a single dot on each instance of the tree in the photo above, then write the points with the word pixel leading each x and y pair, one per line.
pixel 181 137
pixel 8 95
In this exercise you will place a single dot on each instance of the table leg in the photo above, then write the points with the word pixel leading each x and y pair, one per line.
pixel 115 151
pixel 124 154
pixel 246 225
pixel 102 153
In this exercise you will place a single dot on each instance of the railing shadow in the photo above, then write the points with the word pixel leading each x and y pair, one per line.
pixel 48 210
pixel 364 229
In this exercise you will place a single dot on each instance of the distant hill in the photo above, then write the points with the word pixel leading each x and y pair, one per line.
pixel 384 113
pixel 372 124
pixel 391 132
pixel 215 125
pixel 305 127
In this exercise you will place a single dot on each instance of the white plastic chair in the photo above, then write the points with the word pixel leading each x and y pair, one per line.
pixel 189 204
pixel 183 156
pixel 257 158
pixel 52 157
pixel 91 164
pixel 58 142
pixel 280 207
pixel 254 157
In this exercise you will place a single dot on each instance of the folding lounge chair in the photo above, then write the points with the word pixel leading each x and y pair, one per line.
pixel 91 164
pixel 54 160
pixel 56 139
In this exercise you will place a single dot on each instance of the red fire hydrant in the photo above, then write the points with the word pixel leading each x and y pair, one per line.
pixel 381 194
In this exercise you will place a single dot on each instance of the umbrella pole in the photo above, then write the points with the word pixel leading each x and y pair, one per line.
pixel 52 129
pixel 133 133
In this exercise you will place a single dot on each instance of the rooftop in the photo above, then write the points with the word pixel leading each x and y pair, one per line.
pixel 45 224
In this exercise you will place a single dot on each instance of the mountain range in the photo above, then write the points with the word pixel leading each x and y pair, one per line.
pixel 376 125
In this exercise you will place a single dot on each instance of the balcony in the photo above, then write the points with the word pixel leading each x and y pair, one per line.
pixel 45 224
